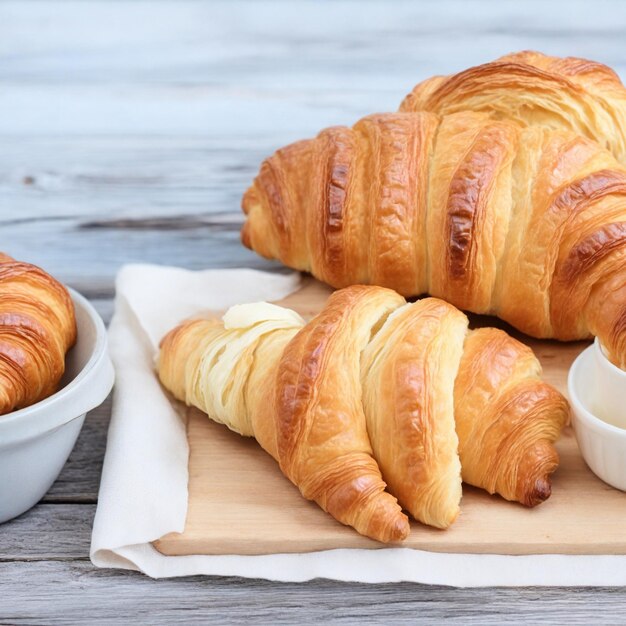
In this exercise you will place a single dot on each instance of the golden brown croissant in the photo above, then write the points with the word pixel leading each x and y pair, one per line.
pixel 368 386
pixel 37 328
pixel 506 418
pixel 531 88
pixel 407 372
pixel 528 224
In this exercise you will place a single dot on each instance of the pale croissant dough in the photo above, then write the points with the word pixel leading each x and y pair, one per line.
pixel 37 328
pixel 365 393
pixel 532 88
pixel 525 223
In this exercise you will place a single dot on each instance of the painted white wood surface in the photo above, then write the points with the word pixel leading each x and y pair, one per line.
pixel 128 131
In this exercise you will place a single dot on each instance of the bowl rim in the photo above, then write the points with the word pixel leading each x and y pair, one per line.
pixel 581 412
pixel 98 356
pixel 616 371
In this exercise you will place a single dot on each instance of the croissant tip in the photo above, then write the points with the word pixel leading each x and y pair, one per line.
pixel 400 529
pixel 541 491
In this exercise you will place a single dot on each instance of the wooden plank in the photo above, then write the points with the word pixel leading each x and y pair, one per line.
pixel 129 199
pixel 46 579
pixel 136 182
pixel 115 68
pixel 59 532
pixel 70 592
pixel 254 509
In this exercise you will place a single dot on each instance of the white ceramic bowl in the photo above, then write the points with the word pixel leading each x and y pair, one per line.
pixel 36 441
pixel 602 445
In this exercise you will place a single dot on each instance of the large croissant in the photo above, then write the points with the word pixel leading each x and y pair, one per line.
pixel 528 224
pixel 37 328
pixel 532 88
pixel 368 391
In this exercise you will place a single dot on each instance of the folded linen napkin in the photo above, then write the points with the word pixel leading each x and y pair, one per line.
pixel 143 491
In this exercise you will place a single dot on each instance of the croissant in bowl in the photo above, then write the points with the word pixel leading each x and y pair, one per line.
pixel 526 223
pixel 375 405
pixel 37 328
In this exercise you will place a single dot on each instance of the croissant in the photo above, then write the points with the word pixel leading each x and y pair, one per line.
pixel 365 396
pixel 506 418
pixel 37 328
pixel 407 377
pixel 528 224
pixel 531 88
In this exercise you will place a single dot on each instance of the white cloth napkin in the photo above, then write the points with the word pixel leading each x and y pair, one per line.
pixel 143 492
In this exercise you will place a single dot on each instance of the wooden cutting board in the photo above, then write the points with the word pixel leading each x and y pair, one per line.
pixel 240 502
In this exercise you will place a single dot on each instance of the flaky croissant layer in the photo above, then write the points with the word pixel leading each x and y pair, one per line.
pixel 530 89
pixel 525 223
pixel 375 399
pixel 37 328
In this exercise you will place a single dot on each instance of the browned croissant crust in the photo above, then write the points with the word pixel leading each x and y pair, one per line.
pixel 506 418
pixel 37 328
pixel 408 371
pixel 528 224
pixel 367 391
pixel 531 88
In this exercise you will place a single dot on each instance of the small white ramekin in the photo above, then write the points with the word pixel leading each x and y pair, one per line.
pixel 607 394
pixel 602 445
pixel 36 441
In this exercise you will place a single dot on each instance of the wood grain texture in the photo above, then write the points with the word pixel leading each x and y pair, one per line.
pixel 45 551
pixel 46 579
pixel 48 532
pixel 129 130
pixel 75 592
pixel 254 509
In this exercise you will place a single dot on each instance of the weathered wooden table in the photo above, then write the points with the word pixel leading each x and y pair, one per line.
pixel 128 132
